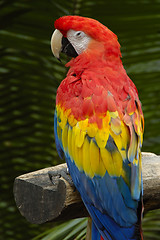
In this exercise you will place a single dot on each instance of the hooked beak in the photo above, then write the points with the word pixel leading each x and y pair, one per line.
pixel 61 44
pixel 56 43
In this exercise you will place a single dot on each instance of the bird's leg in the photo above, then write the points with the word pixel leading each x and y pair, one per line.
pixel 64 173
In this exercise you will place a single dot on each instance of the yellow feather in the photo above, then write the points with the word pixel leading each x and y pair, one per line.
pixel 94 156
pixel 117 139
pixel 79 136
pixel 86 157
pixel 70 142
pixel 114 114
pixel 106 120
pixel 118 163
pixel 67 112
pixel 121 140
pixel 102 137
pixel 73 143
pixel 141 138
pixel 78 157
pixel 92 130
pixel 63 119
pixel 125 135
pixel 65 137
pixel 101 171
pixel 83 124
pixel 107 161
pixel 71 120
pixel 116 125
pixel 140 166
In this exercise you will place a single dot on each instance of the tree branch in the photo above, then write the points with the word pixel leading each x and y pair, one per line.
pixel 40 201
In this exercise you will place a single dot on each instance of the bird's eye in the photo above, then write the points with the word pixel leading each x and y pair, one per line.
pixel 79 34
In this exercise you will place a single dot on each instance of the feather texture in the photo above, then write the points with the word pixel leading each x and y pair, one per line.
pixel 99 127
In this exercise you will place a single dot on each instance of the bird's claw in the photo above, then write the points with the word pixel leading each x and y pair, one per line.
pixel 60 173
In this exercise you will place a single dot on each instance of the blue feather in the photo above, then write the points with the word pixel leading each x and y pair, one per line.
pixel 57 141
pixel 95 233
pixel 107 199
pixel 135 184
pixel 104 223
pixel 124 189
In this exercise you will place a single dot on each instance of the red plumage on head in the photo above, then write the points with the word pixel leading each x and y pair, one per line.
pixel 97 72
pixel 97 105
pixel 91 27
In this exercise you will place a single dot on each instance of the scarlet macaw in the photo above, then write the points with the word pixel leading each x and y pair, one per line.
pixel 98 126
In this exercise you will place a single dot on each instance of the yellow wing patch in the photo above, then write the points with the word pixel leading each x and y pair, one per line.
pixel 86 143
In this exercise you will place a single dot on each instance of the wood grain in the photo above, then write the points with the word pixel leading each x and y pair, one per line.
pixel 39 200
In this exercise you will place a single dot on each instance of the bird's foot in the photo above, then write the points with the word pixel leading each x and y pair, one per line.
pixel 64 173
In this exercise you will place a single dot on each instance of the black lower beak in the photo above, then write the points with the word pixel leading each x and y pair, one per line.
pixel 68 49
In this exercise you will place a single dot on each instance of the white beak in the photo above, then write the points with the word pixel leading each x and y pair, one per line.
pixel 56 43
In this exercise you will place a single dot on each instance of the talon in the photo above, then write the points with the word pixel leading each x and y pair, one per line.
pixel 58 174
pixel 54 174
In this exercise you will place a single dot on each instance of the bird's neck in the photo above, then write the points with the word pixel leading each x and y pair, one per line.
pixel 93 61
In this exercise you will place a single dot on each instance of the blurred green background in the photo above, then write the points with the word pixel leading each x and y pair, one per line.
pixel 29 77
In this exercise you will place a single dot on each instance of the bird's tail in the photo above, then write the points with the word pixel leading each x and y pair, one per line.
pixel 110 230
pixel 92 232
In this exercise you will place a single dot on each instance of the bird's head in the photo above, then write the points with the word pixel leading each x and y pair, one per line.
pixel 75 35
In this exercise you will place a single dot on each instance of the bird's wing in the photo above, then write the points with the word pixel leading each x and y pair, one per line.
pixel 104 159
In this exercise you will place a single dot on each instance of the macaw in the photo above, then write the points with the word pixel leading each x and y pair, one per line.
pixel 98 125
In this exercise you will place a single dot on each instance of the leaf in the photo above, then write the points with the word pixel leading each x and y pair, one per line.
pixel 66 231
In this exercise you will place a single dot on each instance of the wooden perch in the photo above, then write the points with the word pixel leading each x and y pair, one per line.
pixel 40 201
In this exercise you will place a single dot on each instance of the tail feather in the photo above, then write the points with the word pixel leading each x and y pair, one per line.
pixel 92 231
pixel 95 233
pixel 105 228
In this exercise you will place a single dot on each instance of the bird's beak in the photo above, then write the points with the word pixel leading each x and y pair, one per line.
pixel 56 43
pixel 61 44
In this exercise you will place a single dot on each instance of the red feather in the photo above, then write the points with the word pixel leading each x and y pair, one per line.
pixel 97 83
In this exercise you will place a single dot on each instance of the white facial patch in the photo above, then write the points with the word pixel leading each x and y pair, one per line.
pixel 79 40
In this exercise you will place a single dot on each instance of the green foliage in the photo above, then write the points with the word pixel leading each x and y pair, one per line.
pixel 73 229
pixel 29 77
pixel 76 229
pixel 151 225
